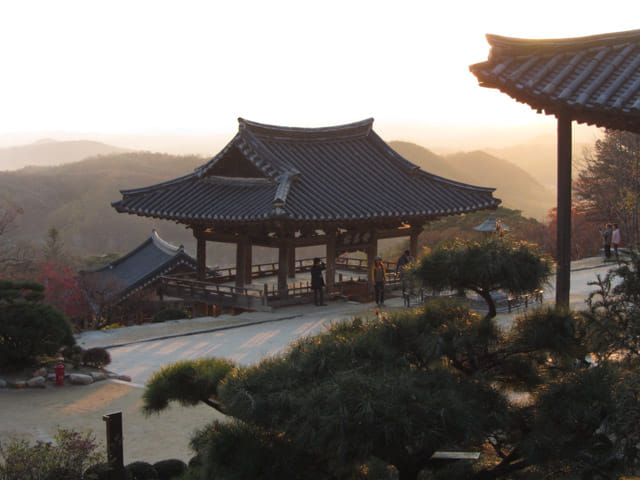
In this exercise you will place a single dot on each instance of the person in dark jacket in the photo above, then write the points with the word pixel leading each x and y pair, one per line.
pixel 317 282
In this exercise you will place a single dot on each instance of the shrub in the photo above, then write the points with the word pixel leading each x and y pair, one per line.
pixel 172 313
pixel 101 471
pixel 62 473
pixel 96 357
pixel 29 329
pixel 64 460
pixel 142 471
pixel 73 354
pixel 169 469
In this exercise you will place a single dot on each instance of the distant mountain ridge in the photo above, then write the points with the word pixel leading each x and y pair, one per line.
pixel 75 198
pixel 514 186
pixel 48 152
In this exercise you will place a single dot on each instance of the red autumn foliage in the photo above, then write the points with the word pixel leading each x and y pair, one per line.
pixel 62 289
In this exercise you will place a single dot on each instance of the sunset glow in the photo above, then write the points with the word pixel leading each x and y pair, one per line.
pixel 195 66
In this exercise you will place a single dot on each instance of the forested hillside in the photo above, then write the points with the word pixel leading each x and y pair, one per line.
pixel 75 198
pixel 515 187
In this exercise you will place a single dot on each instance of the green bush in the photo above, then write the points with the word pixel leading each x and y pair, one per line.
pixel 172 313
pixel 31 330
pixel 101 471
pixel 63 460
pixel 28 328
pixel 96 357
pixel 73 354
pixel 62 473
pixel 169 469
pixel 142 471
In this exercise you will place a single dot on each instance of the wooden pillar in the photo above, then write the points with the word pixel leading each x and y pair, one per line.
pixel 331 257
pixel 292 261
pixel 248 262
pixel 563 270
pixel 283 266
pixel 372 252
pixel 201 255
pixel 115 451
pixel 413 240
pixel 241 260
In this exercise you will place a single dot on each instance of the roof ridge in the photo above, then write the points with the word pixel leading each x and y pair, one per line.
pixel 163 245
pixel 284 187
pixel 359 128
pixel 510 44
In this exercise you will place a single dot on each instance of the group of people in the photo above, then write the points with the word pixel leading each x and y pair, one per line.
pixel 610 236
pixel 378 275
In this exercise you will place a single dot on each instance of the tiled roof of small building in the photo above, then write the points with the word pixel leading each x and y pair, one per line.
pixel 139 268
pixel 342 173
pixel 596 78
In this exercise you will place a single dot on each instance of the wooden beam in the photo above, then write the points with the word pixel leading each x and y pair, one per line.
pixel 563 269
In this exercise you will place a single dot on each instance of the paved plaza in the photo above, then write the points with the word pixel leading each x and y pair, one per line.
pixel 140 350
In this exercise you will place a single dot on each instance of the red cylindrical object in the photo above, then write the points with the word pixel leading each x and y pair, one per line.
pixel 59 368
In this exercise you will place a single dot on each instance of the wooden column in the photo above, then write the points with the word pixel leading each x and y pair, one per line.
pixel 563 270
pixel 283 267
pixel 413 240
pixel 372 252
pixel 331 257
pixel 248 262
pixel 292 262
pixel 241 260
pixel 201 255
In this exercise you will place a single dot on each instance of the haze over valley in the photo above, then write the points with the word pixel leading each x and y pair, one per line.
pixel 70 184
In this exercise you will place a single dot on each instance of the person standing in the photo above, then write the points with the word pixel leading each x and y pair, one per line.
pixel 606 240
pixel 615 240
pixel 378 274
pixel 317 282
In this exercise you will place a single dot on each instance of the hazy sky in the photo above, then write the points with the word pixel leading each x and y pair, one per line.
pixel 195 66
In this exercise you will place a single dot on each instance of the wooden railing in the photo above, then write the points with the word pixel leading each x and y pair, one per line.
pixel 212 290
pixel 214 293
pixel 228 274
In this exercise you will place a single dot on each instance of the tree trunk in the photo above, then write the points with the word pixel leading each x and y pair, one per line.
pixel 490 303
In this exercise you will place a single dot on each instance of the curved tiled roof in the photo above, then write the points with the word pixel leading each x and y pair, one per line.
pixel 341 173
pixel 596 78
pixel 139 268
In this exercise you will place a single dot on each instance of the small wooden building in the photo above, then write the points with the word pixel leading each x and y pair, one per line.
pixel 139 271
pixel 284 188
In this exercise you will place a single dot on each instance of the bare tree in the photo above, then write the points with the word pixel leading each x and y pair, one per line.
pixel 8 214
pixel 608 188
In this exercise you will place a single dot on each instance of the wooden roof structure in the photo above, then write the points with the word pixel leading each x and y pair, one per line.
pixel 288 187
pixel 139 269
pixel 343 174
pixel 593 80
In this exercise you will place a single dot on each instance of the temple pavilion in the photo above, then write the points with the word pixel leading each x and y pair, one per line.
pixel 341 187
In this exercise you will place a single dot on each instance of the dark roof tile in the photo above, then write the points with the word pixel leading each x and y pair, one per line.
pixel 595 78
pixel 319 174
pixel 138 268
